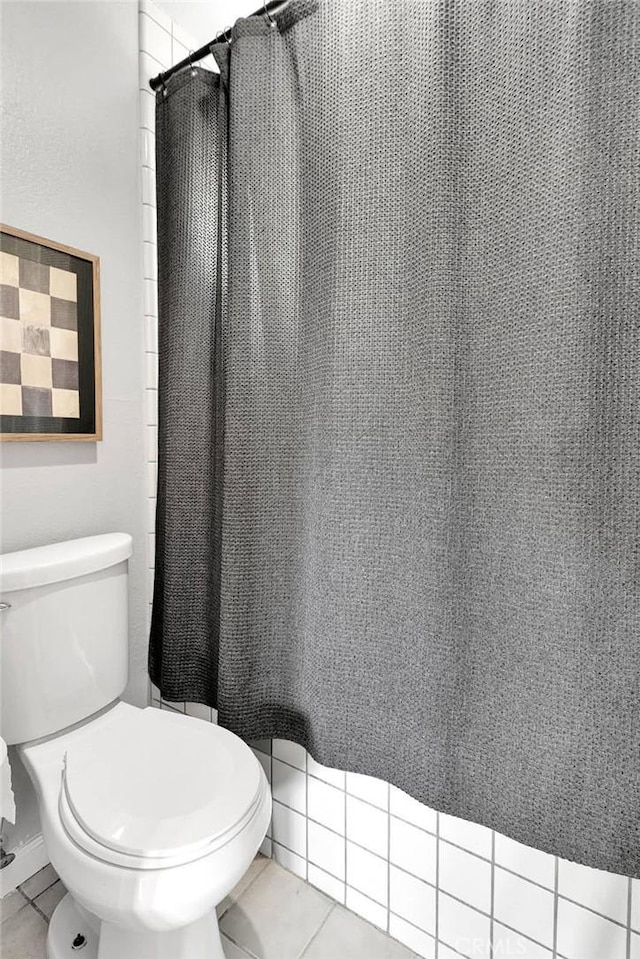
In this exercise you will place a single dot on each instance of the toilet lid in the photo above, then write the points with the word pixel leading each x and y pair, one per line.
pixel 156 784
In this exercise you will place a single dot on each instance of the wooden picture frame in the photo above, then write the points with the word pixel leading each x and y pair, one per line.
pixel 50 350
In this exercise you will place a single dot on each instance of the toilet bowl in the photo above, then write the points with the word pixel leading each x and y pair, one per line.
pixel 149 817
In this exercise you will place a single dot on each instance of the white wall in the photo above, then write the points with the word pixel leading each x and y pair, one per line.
pixel 70 172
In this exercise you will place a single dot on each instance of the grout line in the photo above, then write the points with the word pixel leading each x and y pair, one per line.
pixel 306 818
pixel 322 924
pixel 601 915
pixel 522 935
pixel 493 889
pixel 556 868
pixel 388 857
pixel 437 916
pixel 629 894
pixel 39 911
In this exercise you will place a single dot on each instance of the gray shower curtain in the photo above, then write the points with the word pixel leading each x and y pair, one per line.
pixel 399 451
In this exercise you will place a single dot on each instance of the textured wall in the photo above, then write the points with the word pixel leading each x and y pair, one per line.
pixel 70 172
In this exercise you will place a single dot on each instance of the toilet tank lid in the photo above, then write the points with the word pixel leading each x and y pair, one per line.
pixel 42 565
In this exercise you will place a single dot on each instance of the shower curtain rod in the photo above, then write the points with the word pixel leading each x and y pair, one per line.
pixel 156 82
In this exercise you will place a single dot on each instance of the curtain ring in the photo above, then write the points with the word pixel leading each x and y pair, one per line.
pixel 193 69
pixel 270 18
pixel 227 34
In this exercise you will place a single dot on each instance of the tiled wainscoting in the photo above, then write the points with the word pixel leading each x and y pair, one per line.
pixel 440 885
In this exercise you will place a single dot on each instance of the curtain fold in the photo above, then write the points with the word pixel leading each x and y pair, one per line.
pixel 399 492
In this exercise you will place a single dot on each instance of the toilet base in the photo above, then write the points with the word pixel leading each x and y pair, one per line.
pixel 200 940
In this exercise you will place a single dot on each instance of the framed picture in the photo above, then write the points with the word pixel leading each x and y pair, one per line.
pixel 50 372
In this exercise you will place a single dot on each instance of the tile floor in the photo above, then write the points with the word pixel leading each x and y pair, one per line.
pixel 271 914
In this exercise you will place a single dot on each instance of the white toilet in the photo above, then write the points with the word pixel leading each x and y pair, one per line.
pixel 150 818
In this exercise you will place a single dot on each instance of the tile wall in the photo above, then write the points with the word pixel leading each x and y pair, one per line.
pixel 442 886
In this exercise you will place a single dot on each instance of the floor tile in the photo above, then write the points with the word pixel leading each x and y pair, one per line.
pixel 11 904
pixel 254 870
pixel 39 882
pixel 49 899
pixel 277 915
pixel 350 937
pixel 231 951
pixel 24 935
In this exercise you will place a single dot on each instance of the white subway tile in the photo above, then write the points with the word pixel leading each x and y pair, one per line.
pixel 152 482
pixel 525 907
pixel 155 39
pixel 371 911
pixel 335 777
pixel 289 753
pixel 149 223
pixel 148 110
pixel 469 835
pixel 198 711
pixel 412 900
pixel 462 928
pixel 420 943
pixel 152 407
pixel 603 892
pixel 289 860
pixel 413 850
pixel 371 790
pixel 148 156
pixel 150 298
pixel 151 435
pixel 266 847
pixel 150 260
pixel 180 52
pixel 368 826
pixel 184 37
pixel 367 873
pixel 148 184
pixel 151 518
pixel 507 943
pixel 326 804
pixel 151 333
pixel 584 935
pixel 265 762
pixel 289 786
pixel 465 876
pixel 151 370
pixel 326 883
pixel 530 863
pixel 635 904
pixel 408 808
pixel 154 11
pixel 445 953
pixel 289 828
pixel 327 850
pixel 149 67
pixel 263 745
pixel 154 692
pixel 635 946
pixel 151 550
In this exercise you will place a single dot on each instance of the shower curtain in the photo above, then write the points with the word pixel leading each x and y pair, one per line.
pixel 399 448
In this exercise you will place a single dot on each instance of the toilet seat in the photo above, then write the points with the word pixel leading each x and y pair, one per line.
pixel 153 789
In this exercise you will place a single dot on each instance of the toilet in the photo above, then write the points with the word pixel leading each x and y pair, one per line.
pixel 149 817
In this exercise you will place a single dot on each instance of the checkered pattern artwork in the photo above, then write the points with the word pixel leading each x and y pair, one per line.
pixel 49 340
pixel 38 339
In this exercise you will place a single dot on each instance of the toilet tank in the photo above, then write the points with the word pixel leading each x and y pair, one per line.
pixel 63 633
